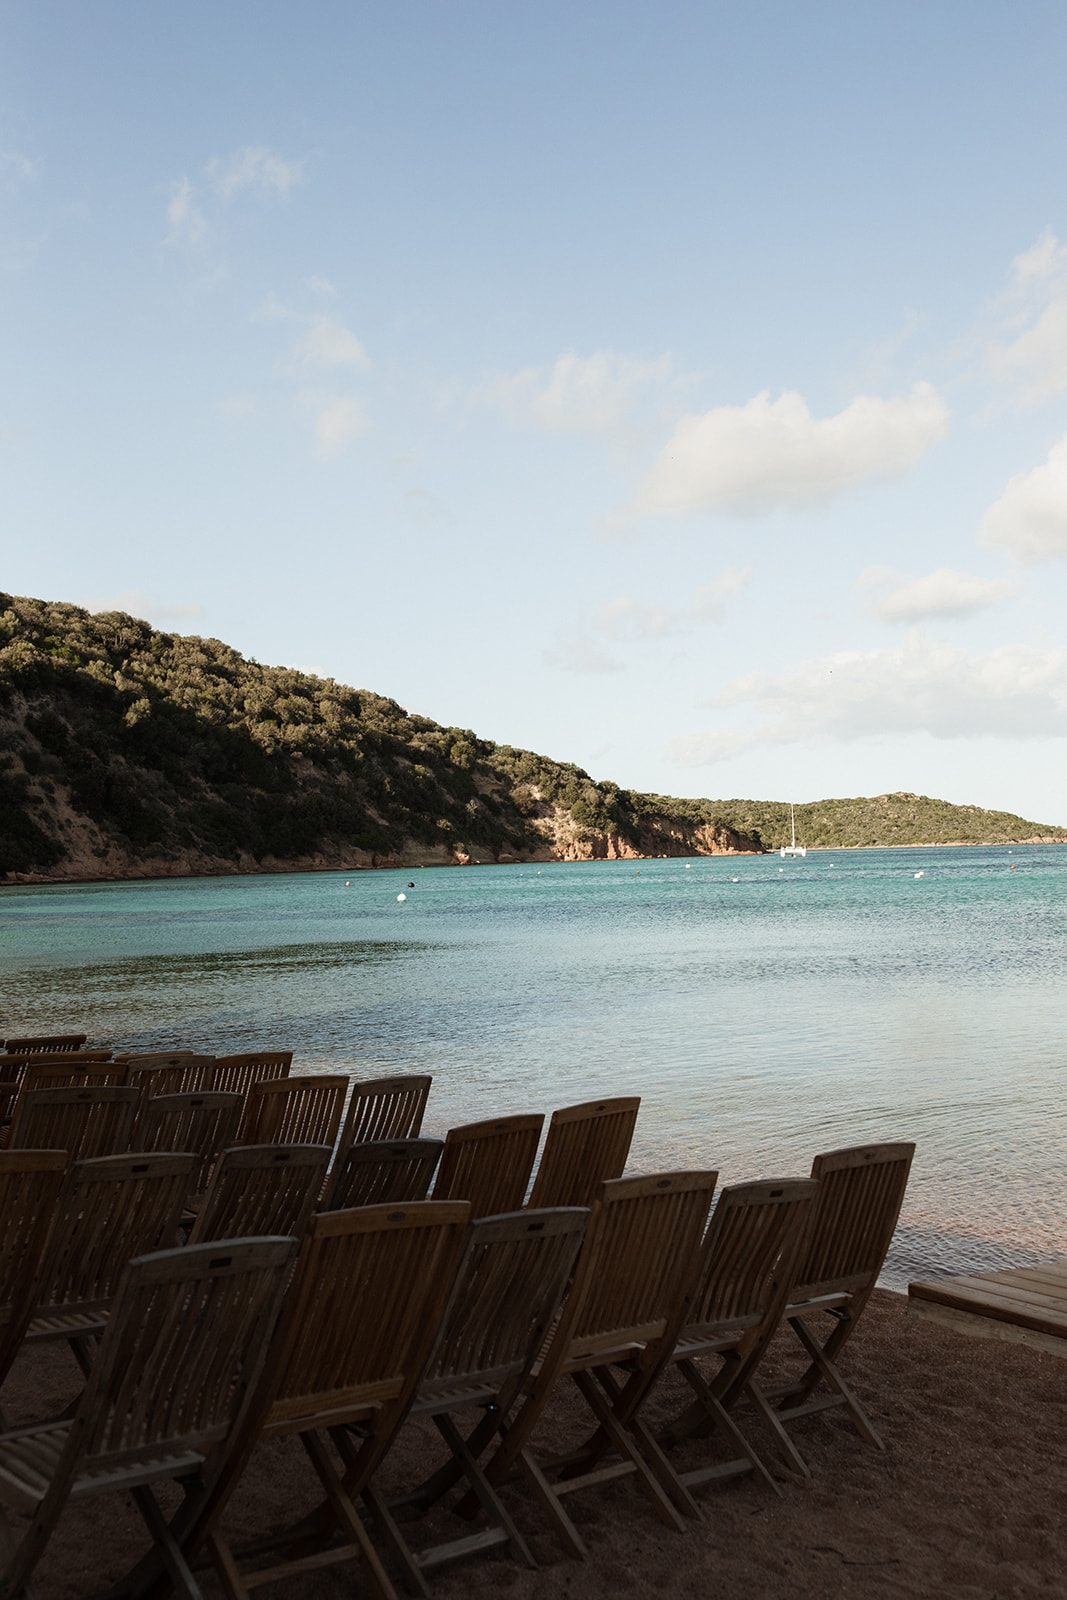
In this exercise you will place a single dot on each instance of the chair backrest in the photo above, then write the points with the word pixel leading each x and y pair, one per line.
pixel 584 1145
pixel 302 1110
pixel 179 1357
pixel 256 1188
pixel 52 1042
pixel 44 1074
pixel 201 1123
pixel 637 1267
pixel 109 1210
pixel 30 1181
pixel 237 1074
pixel 85 1122
pixel 365 1304
pixel 511 1280
pixel 385 1108
pixel 749 1254
pixel 14 1067
pixel 174 1074
pixel 489 1163
pixel 851 1226
pixel 386 1172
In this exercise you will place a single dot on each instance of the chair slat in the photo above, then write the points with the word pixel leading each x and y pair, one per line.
pixel 295 1110
pixel 384 1108
pixel 585 1145
pixel 259 1189
pixel 384 1172
pixel 489 1163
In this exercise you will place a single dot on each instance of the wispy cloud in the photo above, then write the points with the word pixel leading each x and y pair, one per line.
pixel 1029 520
pixel 625 621
pixel 921 686
pixel 942 593
pixel 769 455
pixel 1030 353
pixel 17 169
pixel 338 420
pixel 136 604
pixel 326 342
pixel 594 394
pixel 186 223
pixel 253 167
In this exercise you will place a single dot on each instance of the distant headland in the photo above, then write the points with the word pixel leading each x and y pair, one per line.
pixel 132 753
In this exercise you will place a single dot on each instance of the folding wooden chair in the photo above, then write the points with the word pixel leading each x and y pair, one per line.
pixel 749 1256
pixel 203 1124
pixel 52 1043
pixel 181 1073
pixel 511 1281
pixel 384 1108
pixel 629 1298
pixel 489 1163
pixel 237 1074
pixel 357 1326
pixel 109 1209
pixel 171 1378
pixel 85 1122
pixel 389 1171
pixel 584 1145
pixel 303 1110
pixel 30 1181
pixel 851 1226
pixel 256 1188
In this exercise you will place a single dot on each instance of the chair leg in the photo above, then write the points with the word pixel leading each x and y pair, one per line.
pixel 21 1556
pixel 347 1515
pixel 553 1508
pixel 489 1500
pixel 380 1510
pixel 178 1568
pixel 772 1418
pixel 722 1420
pixel 824 1362
pixel 597 1403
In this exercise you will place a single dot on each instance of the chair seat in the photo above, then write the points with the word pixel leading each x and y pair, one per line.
pixel 29 1457
pixel 67 1325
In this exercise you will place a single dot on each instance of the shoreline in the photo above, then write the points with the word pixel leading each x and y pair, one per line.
pixel 36 881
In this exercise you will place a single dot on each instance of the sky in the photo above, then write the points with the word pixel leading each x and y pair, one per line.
pixel 678 390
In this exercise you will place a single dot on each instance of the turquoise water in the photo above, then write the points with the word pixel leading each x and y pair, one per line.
pixel 763 1010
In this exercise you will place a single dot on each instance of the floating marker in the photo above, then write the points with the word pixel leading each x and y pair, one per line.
pixel 401 896
pixel 919 874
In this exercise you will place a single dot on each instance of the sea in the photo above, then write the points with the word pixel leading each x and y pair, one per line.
pixel 764 1010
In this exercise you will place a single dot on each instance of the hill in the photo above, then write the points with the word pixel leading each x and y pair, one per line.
pixel 129 752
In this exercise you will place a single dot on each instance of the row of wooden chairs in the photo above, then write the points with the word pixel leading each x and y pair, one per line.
pixel 416 1310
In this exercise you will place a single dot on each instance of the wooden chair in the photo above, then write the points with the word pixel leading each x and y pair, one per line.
pixel 237 1074
pixel 749 1257
pixel 303 1110
pixel 52 1043
pixel 182 1073
pixel 261 1188
pixel 629 1298
pixel 358 1323
pixel 170 1381
pixel 109 1209
pixel 201 1123
pixel 85 1122
pixel 511 1281
pixel 489 1163
pixel 53 1072
pixel 387 1172
pixel 861 1191
pixel 384 1108
pixel 30 1181
pixel 14 1066
pixel 584 1145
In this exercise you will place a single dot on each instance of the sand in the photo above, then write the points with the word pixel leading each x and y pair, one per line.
pixel 968 1500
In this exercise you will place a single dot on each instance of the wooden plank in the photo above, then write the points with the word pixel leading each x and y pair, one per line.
pixel 1001 1308
pixel 986 1327
pixel 1011 1293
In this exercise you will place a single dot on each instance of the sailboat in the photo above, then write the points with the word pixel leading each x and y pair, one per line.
pixel 793 849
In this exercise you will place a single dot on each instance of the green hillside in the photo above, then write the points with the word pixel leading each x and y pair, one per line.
pixel 126 751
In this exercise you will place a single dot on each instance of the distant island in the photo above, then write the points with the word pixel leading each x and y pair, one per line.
pixel 132 753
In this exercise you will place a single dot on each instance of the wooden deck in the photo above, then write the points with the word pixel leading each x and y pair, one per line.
pixel 1025 1305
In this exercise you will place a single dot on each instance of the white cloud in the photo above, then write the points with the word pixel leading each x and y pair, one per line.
pixel 629 620
pixel 580 654
pixel 942 593
pixel 238 405
pixel 579 394
pixel 320 286
pixel 1035 359
pixel 328 343
pixel 922 686
pixel 16 169
pixel 185 221
pixel 136 604
pixel 338 420
pixel 770 455
pixel 253 167
pixel 1029 520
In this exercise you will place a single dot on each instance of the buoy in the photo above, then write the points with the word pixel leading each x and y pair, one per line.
pixel 687 865
pixel 735 880
pixel 411 886
pixel 401 896
pixel 347 884
pixel 918 874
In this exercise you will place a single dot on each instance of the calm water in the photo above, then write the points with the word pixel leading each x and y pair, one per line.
pixel 762 1014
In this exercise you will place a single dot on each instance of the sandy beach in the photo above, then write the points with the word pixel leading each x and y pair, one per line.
pixel 968 1500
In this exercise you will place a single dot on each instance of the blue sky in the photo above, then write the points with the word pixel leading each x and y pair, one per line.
pixel 677 390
